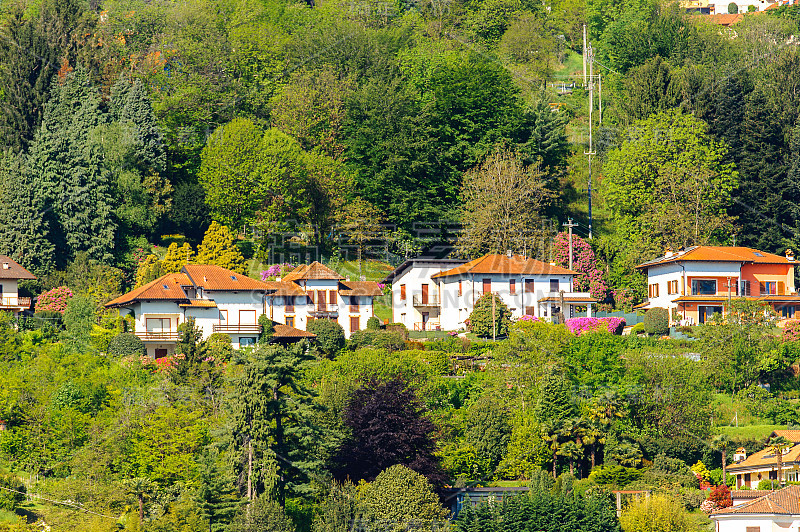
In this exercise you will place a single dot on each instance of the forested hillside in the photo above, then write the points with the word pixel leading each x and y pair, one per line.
pixel 126 121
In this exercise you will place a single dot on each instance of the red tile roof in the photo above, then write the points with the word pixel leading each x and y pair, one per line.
pixel 212 278
pixel 14 270
pixel 785 501
pixel 285 331
pixel 726 19
pixel 282 288
pixel 360 288
pixel 503 264
pixel 719 254
pixel 167 287
pixel 315 270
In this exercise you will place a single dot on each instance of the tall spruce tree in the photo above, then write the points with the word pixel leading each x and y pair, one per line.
pixel 130 104
pixel 66 164
pixel 24 224
pixel 272 415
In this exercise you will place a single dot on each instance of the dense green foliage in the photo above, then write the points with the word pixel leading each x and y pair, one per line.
pixel 490 317
pixel 656 321
pixel 330 335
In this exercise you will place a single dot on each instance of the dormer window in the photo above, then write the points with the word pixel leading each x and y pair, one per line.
pixel 6 266
pixel 165 287
pixel 757 254
pixel 233 277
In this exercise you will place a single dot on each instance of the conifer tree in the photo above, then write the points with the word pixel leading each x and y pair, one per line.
pixel 218 247
pixel 130 104
pixel 176 258
pixel 67 166
pixel 272 416
pixel 24 224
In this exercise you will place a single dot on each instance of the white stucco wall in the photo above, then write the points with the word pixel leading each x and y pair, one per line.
pixel 765 523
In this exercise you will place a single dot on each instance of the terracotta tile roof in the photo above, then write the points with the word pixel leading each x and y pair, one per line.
pixel 212 278
pixel 726 19
pixel 360 288
pixel 569 299
pixel 283 288
pixel 14 270
pixel 315 270
pixel 749 494
pixel 766 458
pixel 284 331
pixel 199 303
pixel 791 435
pixel 785 501
pixel 719 254
pixel 503 264
pixel 167 287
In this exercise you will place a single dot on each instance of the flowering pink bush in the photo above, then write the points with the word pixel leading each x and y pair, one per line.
pixel 623 299
pixel 528 317
pixel 791 331
pixel 581 325
pixel 55 299
pixel 276 270
pixel 591 278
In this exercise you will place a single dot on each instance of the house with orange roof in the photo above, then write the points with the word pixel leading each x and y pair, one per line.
pixel 223 301
pixel 776 510
pixel 526 285
pixel 699 281
pixel 763 465
pixel 11 273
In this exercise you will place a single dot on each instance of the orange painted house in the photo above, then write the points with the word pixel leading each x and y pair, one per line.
pixel 698 281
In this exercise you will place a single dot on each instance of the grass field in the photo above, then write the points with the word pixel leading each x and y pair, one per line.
pixel 750 432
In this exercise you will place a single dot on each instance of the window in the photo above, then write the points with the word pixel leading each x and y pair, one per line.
pixel 354 304
pixel 554 285
pixel 744 288
pixel 402 292
pixel 245 341
pixel 787 311
pixel 530 286
pixel 460 291
pixel 158 325
pixel 704 287
pixel 247 317
pixel 530 311
pixel 354 325
pixel 768 287
pixel 487 286
pixel 160 353
pixel 652 290
pixel 332 297
pixel 223 317
pixel 672 287
pixel 753 529
pixel 512 286
pixel 289 304
pixel 290 321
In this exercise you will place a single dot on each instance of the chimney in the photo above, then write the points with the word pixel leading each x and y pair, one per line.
pixel 668 253
pixel 6 266
pixel 790 255
pixel 740 455
pixel 509 254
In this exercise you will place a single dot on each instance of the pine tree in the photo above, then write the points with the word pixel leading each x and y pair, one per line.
pixel 272 415
pixel 216 495
pixel 218 247
pixel 130 104
pixel 66 166
pixel 24 224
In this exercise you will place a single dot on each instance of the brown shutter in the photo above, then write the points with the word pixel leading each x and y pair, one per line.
pixel 332 297
pixel 529 286
pixel 512 286
pixel 781 288
pixel 425 294
pixel 403 292
pixel 487 286
pixel 354 325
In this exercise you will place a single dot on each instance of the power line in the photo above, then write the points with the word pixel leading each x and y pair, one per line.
pixel 72 505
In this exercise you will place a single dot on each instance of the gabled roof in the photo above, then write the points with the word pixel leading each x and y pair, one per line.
pixel 719 254
pixel 791 435
pixel 427 260
pixel 212 278
pixel 315 270
pixel 360 288
pixel 766 458
pixel 14 270
pixel 283 288
pixel 785 501
pixel 503 264
pixel 726 19
pixel 167 287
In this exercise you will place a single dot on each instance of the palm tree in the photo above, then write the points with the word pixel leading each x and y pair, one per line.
pixel 720 443
pixel 777 445
pixel 594 435
pixel 140 488
pixel 574 430
pixel 552 436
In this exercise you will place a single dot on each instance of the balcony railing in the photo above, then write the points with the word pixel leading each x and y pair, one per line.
pixel 432 300
pixel 256 329
pixel 151 336
pixel 323 309
pixel 429 325
pixel 13 301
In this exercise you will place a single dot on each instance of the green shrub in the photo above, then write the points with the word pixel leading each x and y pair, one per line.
pixel 220 347
pixel 397 327
pixel 767 485
pixel 439 361
pixel 656 321
pixel 390 340
pixel 480 319
pixel 450 344
pixel 615 475
pixel 267 329
pixel 330 335
pixel 126 344
pixel 8 499
pixel 373 324
pixel 655 513
pixel 638 328
pixel 733 8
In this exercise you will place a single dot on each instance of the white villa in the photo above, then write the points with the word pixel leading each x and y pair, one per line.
pixel 774 511
pixel 223 301
pixel 433 294
pixel 11 273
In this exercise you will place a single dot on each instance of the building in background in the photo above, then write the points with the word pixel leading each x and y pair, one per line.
pixel 11 273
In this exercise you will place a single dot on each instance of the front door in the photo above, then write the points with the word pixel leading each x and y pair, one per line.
pixel 425 294
pixel 425 318
pixel 160 353
pixel 705 312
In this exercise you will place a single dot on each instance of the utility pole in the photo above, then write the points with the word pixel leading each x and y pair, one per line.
pixel 584 55
pixel 569 225
pixel 494 318
pixel 590 54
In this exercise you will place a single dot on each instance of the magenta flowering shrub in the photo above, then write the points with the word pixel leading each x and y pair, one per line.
pixel 591 278
pixel 623 299
pixel 55 299
pixel 276 270
pixel 528 317
pixel 791 331
pixel 581 325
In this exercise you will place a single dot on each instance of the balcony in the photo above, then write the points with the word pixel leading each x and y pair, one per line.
pixel 323 310
pixel 252 329
pixel 161 336
pixel 15 302
pixel 431 300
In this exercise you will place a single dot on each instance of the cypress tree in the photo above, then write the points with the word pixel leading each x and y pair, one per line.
pixel 24 224
pixel 66 166
pixel 218 247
